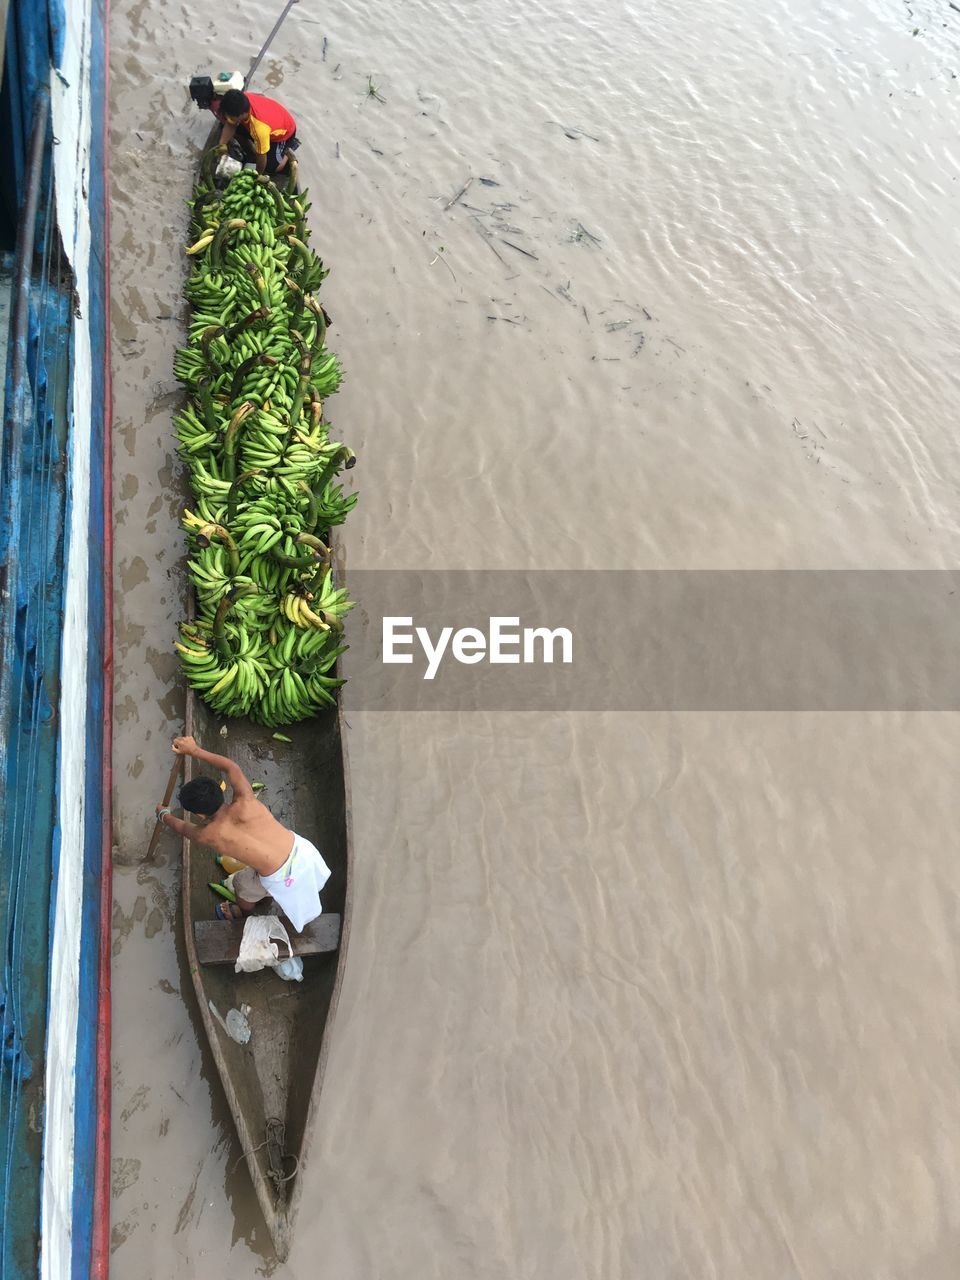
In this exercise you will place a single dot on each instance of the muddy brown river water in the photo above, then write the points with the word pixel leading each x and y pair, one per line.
pixel 663 996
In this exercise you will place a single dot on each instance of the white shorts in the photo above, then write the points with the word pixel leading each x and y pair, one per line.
pixel 295 887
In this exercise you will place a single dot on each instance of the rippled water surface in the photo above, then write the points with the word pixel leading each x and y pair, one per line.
pixel 630 997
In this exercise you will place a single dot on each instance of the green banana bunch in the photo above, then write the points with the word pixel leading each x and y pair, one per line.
pixel 332 605
pixel 193 434
pixel 210 575
pixel 332 507
pixel 229 684
pixel 327 375
pixel 262 467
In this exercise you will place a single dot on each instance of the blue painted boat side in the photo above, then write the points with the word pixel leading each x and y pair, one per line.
pixel 85 1135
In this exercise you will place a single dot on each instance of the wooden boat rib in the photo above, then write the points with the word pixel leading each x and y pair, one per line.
pixel 273 1083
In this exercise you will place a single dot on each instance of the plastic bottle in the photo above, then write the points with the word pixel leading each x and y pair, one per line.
pixel 291 969
pixel 230 865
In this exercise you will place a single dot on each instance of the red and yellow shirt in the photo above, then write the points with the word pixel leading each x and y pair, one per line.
pixel 268 123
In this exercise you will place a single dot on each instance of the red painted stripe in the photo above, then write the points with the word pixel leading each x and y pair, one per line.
pixel 100 1244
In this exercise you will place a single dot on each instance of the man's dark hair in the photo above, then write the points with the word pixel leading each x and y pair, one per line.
pixel 234 103
pixel 202 795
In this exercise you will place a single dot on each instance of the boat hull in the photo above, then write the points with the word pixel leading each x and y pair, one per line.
pixel 278 1075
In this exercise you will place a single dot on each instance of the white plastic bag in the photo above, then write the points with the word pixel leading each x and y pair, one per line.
pixel 238 1027
pixel 235 1024
pixel 257 950
pixel 226 170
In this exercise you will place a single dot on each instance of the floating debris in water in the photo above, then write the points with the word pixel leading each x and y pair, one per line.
pixel 582 234
pixel 526 252
pixel 573 131
pixel 462 192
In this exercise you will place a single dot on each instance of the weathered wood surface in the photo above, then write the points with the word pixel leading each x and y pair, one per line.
pixel 218 941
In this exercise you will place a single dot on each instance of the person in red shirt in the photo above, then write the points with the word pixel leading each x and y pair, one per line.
pixel 265 130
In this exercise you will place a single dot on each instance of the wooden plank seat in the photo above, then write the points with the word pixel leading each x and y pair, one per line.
pixel 218 941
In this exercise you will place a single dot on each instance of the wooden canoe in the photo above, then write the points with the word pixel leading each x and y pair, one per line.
pixel 272 1083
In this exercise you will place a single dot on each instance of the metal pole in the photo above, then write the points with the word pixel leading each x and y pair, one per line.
pixel 267 43
pixel 15 415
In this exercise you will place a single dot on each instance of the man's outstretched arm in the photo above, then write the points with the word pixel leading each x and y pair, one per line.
pixel 235 775
pixel 189 830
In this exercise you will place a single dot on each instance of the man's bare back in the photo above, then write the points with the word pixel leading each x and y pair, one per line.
pixel 242 827
pixel 247 830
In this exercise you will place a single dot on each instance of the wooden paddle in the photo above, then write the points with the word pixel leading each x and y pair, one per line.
pixel 167 797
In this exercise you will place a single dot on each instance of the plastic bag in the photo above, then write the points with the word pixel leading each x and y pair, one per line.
pixel 238 1028
pixel 226 170
pixel 235 1024
pixel 257 950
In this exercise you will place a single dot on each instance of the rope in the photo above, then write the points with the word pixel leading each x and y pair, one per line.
pixel 276 1136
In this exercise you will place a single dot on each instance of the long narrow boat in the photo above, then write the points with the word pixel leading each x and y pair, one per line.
pixel 273 1081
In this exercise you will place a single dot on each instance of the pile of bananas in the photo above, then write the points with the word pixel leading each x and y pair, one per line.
pixel 263 468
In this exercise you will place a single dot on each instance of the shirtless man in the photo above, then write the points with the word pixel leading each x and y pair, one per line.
pixel 279 863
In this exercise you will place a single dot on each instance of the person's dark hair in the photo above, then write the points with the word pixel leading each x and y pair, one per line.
pixel 202 795
pixel 234 103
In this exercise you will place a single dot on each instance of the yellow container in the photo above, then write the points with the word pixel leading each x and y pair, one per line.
pixel 230 865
